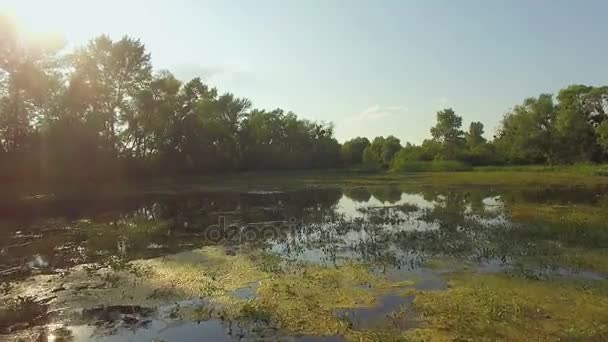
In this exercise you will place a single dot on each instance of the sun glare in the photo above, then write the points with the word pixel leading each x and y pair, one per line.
pixel 70 20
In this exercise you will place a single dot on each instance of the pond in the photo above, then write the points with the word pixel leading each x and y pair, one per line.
pixel 309 263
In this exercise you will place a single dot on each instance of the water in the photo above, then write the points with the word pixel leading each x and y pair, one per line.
pixel 96 256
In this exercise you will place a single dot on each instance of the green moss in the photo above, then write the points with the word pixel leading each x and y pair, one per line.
pixel 498 307
pixel 266 261
pixel 203 272
pixel 580 215
pixel 585 259
pixel 567 226
pixel 305 302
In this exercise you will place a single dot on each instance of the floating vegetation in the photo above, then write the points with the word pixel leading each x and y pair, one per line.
pixel 499 307
pixel 305 302
pixel 204 272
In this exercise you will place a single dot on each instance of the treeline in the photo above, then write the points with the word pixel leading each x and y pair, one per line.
pixel 573 129
pixel 102 112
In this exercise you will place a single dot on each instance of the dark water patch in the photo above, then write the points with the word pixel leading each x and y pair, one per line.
pixel 186 331
pixel 381 315
pixel 23 313
pixel 122 315
pixel 247 292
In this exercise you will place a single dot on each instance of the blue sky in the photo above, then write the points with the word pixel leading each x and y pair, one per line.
pixel 370 67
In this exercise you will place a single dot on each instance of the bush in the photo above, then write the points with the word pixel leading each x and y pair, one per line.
pixel 430 166
pixel 602 172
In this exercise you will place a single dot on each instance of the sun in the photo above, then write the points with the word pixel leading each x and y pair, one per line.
pixel 70 19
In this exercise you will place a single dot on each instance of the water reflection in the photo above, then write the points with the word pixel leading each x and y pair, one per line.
pixel 370 224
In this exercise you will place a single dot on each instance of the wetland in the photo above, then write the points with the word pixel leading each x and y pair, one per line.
pixel 352 259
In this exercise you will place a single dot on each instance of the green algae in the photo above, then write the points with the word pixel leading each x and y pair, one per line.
pixel 299 300
pixel 498 307
pixel 203 272
pixel 305 302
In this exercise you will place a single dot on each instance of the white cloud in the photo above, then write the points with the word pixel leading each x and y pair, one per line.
pixel 379 112
pixel 213 72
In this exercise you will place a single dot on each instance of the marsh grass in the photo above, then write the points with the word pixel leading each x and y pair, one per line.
pixel 431 166
pixel 499 307
pixel 305 302
pixel 580 169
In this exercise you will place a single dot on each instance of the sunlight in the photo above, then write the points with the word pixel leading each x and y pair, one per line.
pixel 44 16
pixel 67 19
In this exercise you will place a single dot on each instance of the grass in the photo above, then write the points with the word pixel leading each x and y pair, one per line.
pixel 432 166
pixel 581 169
pixel 503 308
pixel 517 179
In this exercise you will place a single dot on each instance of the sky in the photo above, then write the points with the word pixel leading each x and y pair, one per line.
pixel 374 67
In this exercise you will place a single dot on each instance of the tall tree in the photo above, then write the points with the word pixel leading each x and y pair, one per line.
pixel 448 134
pixel 110 75
pixel 474 137
pixel 602 137
pixel 582 109
pixel 29 72
pixel 527 134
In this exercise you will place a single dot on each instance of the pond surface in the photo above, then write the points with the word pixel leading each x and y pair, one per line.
pixel 377 263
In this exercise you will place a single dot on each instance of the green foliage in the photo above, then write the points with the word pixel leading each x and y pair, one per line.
pixel 474 137
pixel 352 150
pixel 602 136
pixel 527 133
pixel 381 151
pixel 447 133
pixel 101 113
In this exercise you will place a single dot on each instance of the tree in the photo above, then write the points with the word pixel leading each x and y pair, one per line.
pixel 148 129
pixel 109 76
pixel 381 151
pixel 582 109
pixel 474 137
pixel 352 150
pixel 602 138
pixel 29 71
pixel 390 147
pixel 591 102
pixel 527 133
pixel 575 137
pixel 447 133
